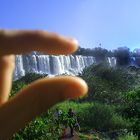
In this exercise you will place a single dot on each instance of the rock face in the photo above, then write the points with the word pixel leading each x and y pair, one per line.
pixel 52 65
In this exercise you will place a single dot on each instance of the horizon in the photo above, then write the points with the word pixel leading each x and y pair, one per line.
pixel 110 23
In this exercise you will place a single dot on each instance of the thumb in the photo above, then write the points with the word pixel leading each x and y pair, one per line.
pixel 36 98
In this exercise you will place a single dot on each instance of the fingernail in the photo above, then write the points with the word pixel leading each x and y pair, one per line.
pixel 75 41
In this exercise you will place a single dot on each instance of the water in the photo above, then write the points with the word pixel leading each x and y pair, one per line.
pixel 51 65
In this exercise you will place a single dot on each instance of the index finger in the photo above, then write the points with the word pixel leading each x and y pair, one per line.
pixel 25 41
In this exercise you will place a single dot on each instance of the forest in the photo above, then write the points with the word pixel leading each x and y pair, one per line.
pixel 123 54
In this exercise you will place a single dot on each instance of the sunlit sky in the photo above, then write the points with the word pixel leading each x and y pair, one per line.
pixel 113 23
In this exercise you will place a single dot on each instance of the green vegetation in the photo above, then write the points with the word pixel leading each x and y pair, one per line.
pixel 111 110
pixel 107 84
pixel 123 54
pixel 132 110
pixel 127 137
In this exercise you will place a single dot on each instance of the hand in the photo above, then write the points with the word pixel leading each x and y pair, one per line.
pixel 40 95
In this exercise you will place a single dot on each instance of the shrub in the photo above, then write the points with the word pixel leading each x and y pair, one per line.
pixel 42 128
pixel 97 116
pixel 107 84
pixel 128 137
pixel 30 77
pixel 132 110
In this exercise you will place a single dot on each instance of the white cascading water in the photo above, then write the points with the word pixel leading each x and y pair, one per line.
pixel 111 61
pixel 51 65
pixel 19 70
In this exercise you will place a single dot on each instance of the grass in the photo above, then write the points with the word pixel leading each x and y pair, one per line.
pixel 128 137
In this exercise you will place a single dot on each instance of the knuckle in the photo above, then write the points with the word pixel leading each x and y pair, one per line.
pixel 7 61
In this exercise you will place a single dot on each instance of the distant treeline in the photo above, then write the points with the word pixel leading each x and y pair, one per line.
pixel 123 54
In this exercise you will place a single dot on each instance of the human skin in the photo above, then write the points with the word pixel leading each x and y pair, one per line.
pixel 40 95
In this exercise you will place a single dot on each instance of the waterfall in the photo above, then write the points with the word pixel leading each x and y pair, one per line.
pixel 19 70
pixel 111 61
pixel 51 65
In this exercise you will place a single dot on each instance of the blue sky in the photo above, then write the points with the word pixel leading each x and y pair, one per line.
pixel 113 23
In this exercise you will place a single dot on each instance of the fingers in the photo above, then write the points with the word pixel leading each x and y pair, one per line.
pixel 24 41
pixel 35 99
pixel 7 64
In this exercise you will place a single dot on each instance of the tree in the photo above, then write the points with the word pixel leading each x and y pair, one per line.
pixel 122 55
pixel 84 51
pixel 99 53
pixel 132 110
pixel 106 84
